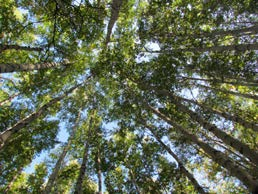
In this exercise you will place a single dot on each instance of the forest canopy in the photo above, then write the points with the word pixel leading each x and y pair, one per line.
pixel 129 96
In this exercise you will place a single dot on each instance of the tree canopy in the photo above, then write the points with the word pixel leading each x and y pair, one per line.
pixel 155 96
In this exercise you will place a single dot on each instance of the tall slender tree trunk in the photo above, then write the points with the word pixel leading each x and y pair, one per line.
pixel 9 68
pixel 254 97
pixel 78 187
pixel 99 172
pixel 6 134
pixel 82 172
pixel 227 139
pixel 228 116
pixel 233 168
pixel 9 186
pixel 195 183
pixel 216 80
pixel 17 47
pixel 54 174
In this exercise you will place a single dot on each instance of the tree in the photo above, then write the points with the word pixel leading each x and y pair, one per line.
pixel 168 107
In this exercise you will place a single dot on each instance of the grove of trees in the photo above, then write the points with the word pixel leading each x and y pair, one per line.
pixel 155 96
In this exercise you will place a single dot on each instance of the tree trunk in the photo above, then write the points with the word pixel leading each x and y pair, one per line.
pixel 79 183
pixel 195 183
pixel 239 48
pixel 17 47
pixel 9 186
pixel 78 187
pixel 54 174
pixel 217 156
pixel 5 135
pixel 254 97
pixel 228 116
pixel 115 8
pixel 99 172
pixel 227 139
pixel 216 80
pixel 9 68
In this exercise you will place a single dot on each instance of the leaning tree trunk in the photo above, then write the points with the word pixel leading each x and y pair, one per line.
pixel 195 183
pixel 227 116
pixel 9 68
pixel 9 186
pixel 5 135
pixel 240 48
pixel 60 160
pixel 254 97
pixel 227 139
pixel 17 47
pixel 222 159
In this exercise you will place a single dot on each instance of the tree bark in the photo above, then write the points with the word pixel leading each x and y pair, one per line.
pixel 115 8
pixel 55 171
pixel 78 187
pixel 81 176
pixel 228 116
pixel 99 172
pixel 195 183
pixel 254 97
pixel 216 80
pixel 6 134
pixel 17 47
pixel 217 156
pixel 239 48
pixel 227 139
pixel 9 186
pixel 10 68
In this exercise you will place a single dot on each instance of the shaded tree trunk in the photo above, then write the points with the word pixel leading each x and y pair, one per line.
pixel 60 160
pixel 9 186
pixel 9 68
pixel 78 187
pixel 222 159
pixel 180 164
pixel 99 172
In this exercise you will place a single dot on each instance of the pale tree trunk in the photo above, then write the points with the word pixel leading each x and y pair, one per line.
pixel 234 33
pixel 227 116
pixel 115 8
pixel 222 159
pixel 99 172
pixel 239 48
pixel 9 68
pixel 180 164
pixel 9 186
pixel 6 134
pixel 254 97
pixel 9 99
pixel 216 80
pixel 17 47
pixel 55 171
pixel 227 139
